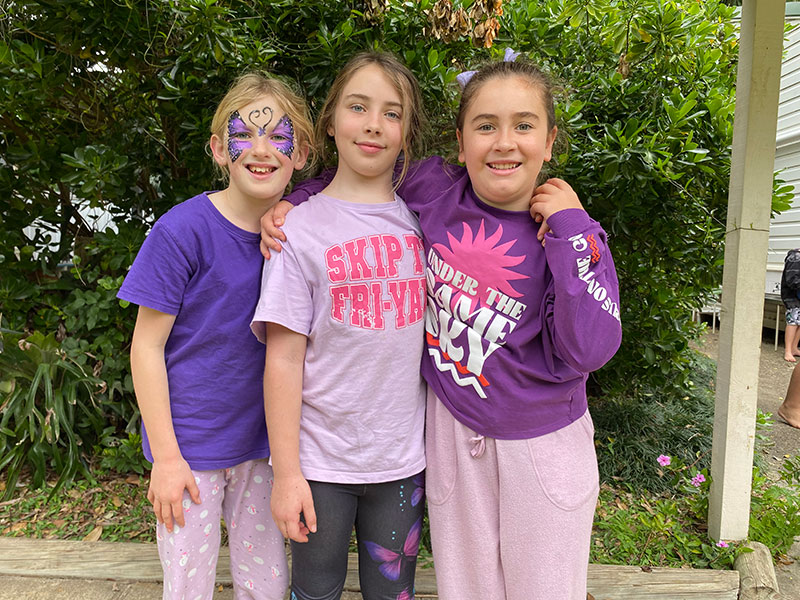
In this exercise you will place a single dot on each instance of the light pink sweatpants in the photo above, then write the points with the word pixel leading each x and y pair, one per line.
pixel 515 522
pixel 241 496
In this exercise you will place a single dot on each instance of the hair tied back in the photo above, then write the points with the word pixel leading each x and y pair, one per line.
pixel 463 78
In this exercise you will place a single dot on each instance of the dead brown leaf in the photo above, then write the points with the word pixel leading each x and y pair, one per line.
pixel 94 534
pixel 134 479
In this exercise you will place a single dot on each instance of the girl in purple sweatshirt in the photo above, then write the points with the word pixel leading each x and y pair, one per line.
pixel 515 322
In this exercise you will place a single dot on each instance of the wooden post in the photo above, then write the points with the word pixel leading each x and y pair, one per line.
pixel 746 240
pixel 757 579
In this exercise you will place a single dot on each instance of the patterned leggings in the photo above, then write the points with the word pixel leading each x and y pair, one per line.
pixel 189 554
pixel 388 522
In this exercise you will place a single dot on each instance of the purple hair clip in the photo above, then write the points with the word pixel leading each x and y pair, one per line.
pixel 463 78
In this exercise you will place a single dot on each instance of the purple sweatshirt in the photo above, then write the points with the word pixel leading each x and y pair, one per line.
pixel 512 329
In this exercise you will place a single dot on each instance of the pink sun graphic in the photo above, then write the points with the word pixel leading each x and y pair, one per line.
pixel 483 259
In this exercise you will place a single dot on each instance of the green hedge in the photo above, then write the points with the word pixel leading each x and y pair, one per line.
pixel 107 105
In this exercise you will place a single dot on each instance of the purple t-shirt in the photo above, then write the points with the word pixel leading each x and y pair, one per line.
pixel 351 279
pixel 199 266
pixel 512 329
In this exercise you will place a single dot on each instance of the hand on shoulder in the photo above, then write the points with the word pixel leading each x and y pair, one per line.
pixel 271 235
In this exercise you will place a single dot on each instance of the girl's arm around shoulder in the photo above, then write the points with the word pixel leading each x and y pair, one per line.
pixel 308 187
pixel 283 387
pixel 171 474
pixel 584 320
pixel 426 180
pixel 275 217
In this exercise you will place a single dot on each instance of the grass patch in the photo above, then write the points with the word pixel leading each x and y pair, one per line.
pixel 662 531
pixel 113 508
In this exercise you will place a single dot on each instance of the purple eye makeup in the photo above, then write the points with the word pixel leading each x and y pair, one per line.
pixel 283 129
pixel 238 136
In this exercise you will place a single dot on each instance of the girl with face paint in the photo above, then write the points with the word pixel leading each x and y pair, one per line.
pixel 197 370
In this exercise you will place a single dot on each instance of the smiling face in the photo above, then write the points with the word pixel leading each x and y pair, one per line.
pixel 258 150
pixel 368 125
pixel 504 141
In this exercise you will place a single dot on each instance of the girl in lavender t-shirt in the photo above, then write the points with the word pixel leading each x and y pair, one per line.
pixel 197 370
pixel 513 327
pixel 343 308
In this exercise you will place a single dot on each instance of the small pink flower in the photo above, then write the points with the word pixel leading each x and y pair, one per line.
pixel 664 460
pixel 698 479
pixel 722 544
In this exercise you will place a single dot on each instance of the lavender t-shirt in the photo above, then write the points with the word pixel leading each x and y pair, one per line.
pixel 199 266
pixel 351 279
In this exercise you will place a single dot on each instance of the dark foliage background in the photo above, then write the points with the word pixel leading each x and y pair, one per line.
pixel 105 107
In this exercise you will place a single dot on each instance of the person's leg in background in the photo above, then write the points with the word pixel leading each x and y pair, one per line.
pixel 789 410
pixel 792 335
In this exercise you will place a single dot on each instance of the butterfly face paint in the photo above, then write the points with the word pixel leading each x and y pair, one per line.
pixel 239 134
pixel 283 129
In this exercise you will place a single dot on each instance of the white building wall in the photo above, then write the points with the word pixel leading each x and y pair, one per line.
pixel 784 231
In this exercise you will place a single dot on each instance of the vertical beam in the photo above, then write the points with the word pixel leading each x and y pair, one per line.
pixel 746 241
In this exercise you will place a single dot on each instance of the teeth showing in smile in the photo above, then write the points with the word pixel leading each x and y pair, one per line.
pixel 504 166
pixel 260 170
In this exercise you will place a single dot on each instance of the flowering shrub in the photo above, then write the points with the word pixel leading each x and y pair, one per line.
pixel 666 531
pixel 670 530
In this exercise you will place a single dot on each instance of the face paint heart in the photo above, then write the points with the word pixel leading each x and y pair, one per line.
pixel 260 119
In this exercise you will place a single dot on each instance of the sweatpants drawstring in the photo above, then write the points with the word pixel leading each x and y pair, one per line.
pixel 478 446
